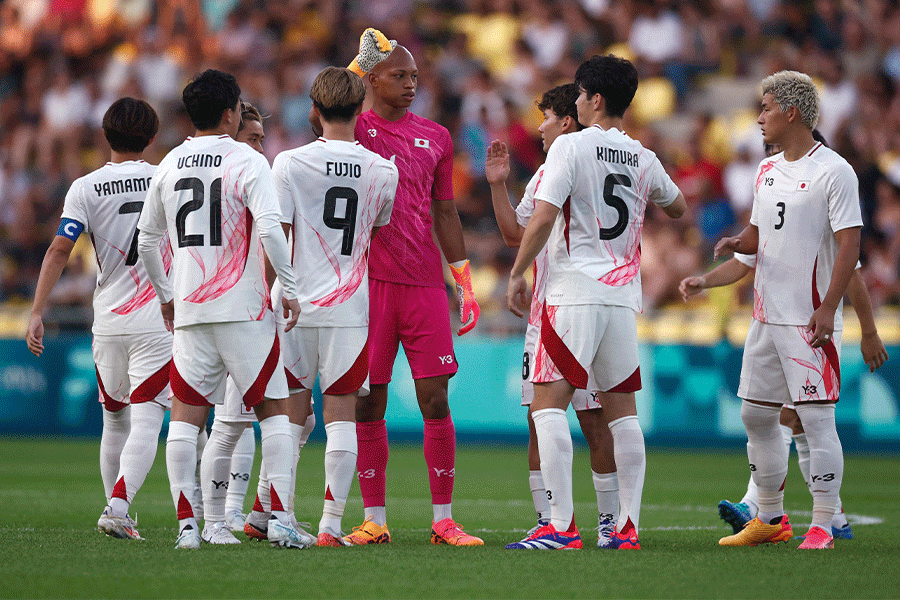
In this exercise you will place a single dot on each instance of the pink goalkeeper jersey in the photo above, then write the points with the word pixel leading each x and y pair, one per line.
pixel 404 251
pixel 108 202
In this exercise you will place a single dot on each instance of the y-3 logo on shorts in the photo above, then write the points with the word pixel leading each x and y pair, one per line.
pixel 444 472
pixel 446 360
pixel 809 390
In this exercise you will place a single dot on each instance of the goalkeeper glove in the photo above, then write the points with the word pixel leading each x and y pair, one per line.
pixel 469 310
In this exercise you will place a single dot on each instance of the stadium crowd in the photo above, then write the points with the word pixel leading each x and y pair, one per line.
pixel 482 65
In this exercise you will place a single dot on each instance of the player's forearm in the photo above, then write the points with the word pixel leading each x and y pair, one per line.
pixel 862 303
pixel 51 269
pixel 535 237
pixel 506 216
pixel 279 255
pixel 148 250
pixel 727 273
pixel 844 266
pixel 749 238
pixel 448 230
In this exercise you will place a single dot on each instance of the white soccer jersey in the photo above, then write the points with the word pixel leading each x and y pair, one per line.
pixel 601 180
pixel 208 193
pixel 797 207
pixel 539 268
pixel 337 192
pixel 108 202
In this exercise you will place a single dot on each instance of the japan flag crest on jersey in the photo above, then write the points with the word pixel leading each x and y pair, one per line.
pixel 420 143
pixel 803 186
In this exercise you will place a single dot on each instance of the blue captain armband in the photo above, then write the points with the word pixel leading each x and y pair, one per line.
pixel 69 229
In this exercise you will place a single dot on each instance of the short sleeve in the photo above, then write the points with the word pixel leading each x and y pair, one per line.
pixel 746 259
pixel 283 187
pixel 259 189
pixel 556 184
pixel 153 216
pixel 75 207
pixel 442 188
pixel 843 198
pixel 389 192
pixel 525 208
pixel 663 190
pixel 754 210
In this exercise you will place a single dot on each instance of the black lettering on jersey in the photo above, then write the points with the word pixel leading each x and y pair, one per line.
pixel 200 160
pixel 122 186
pixel 343 169
pixel 615 155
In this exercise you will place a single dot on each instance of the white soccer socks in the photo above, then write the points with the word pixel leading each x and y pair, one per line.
pixel 768 457
pixel 826 461
pixel 539 495
pixel 606 485
pixel 631 466
pixel 181 465
pixel 137 455
pixel 215 468
pixel 340 466
pixel 278 454
pixel 239 471
pixel 116 426
pixel 555 447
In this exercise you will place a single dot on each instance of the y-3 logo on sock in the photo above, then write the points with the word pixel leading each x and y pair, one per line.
pixel 367 474
pixel 825 477
pixel 220 484
pixel 242 476
pixel 444 472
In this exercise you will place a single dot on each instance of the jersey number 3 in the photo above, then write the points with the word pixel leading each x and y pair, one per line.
pixel 612 180
pixel 196 203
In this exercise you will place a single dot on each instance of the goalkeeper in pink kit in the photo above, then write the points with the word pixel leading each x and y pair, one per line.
pixel 408 301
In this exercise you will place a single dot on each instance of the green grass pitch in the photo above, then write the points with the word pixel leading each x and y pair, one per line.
pixel 51 496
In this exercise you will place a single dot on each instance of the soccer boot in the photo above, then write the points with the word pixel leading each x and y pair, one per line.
pixel 234 520
pixel 627 539
pixel 448 531
pixel 218 533
pixel 548 538
pixel 842 533
pixel 124 528
pixel 369 532
pixel 756 532
pixel 816 539
pixel 531 531
pixel 285 536
pixel 189 537
pixel 257 526
pixel 736 514
pixel 302 527
pixel 331 540
pixel 606 530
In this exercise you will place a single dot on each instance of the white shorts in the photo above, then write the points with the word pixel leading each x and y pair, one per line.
pixel 780 366
pixel 133 368
pixel 576 340
pixel 233 409
pixel 338 355
pixel 247 350
pixel 585 399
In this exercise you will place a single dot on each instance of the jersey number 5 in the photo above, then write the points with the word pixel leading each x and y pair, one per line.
pixel 612 180
pixel 196 203
pixel 348 222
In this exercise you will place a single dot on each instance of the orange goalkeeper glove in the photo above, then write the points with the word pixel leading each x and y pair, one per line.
pixel 469 310
pixel 374 47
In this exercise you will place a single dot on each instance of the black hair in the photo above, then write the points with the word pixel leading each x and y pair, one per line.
pixel 129 125
pixel 612 77
pixel 208 95
pixel 561 101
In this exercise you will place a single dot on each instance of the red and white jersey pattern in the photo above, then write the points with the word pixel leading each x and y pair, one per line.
pixel 797 207
pixel 539 268
pixel 405 251
pixel 601 180
pixel 108 203
pixel 208 193
pixel 336 192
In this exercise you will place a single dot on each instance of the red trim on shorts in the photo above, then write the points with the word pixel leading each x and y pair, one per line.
pixel 153 385
pixel 353 379
pixel 107 400
pixel 183 390
pixel 293 382
pixel 632 384
pixel 829 348
pixel 255 394
pixel 567 210
pixel 560 354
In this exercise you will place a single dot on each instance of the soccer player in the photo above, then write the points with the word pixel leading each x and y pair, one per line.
pixel 804 229
pixel 560 117
pixel 590 206
pixel 132 349
pixel 339 195
pixel 408 303
pixel 216 198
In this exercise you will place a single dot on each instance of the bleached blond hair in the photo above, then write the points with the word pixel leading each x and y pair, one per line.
pixel 792 88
